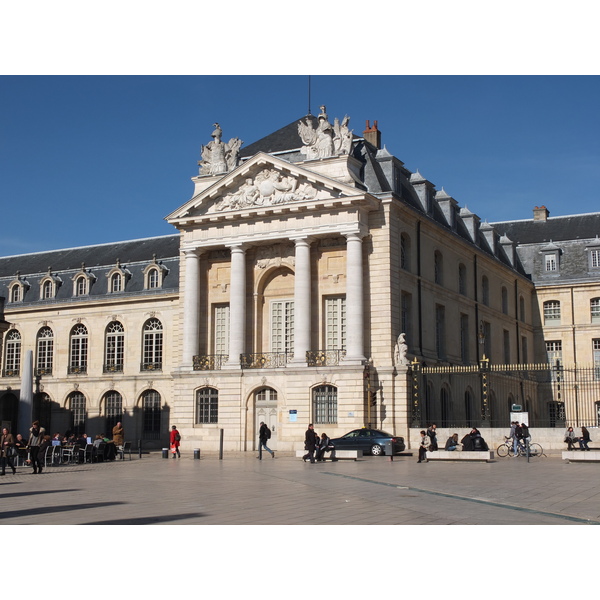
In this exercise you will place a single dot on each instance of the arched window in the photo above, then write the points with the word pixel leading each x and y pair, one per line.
pixel 45 351
pixel 438 267
pixel 78 354
pixel 12 354
pixel 469 408
pixel 405 254
pixel 153 279
pixel 47 290
pixel 152 345
pixel 325 404
pixel 207 406
pixel 114 348
pixel 116 283
pixel 81 286
pixel 552 312
pixel 77 404
pixel 462 279
pixel 113 410
pixel 151 415
pixel 15 293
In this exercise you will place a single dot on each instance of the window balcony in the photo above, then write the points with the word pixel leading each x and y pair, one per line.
pixel 324 358
pixel 10 373
pixel 39 371
pixel 265 360
pixel 157 366
pixel 112 368
pixel 77 369
pixel 209 362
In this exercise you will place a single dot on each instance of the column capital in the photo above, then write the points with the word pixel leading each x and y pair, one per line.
pixel 238 246
pixel 298 239
pixel 355 235
pixel 192 252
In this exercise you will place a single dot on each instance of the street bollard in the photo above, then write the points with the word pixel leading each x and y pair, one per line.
pixel 139 449
pixel 165 453
pixel 197 453
pixel 389 449
pixel 221 445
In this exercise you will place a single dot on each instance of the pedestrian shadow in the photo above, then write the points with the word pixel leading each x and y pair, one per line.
pixel 147 520
pixel 45 510
pixel 34 493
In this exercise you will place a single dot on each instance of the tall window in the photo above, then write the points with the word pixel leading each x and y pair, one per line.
pixel 15 293
pixel 282 326
pixel 12 356
pixel 550 262
pixel 221 329
pixel 114 348
pixel 151 414
pixel 78 349
pixel 464 339
pixel 47 290
pixel 153 279
pixel 462 279
pixel 596 356
pixel 554 351
pixel 594 258
pixel 486 329
pixel 116 283
pixel 113 410
pixel 551 312
pixel 506 343
pixel 522 309
pixel 440 331
pixel 45 351
pixel 524 353
pixel 438 267
pixel 485 290
pixel 207 406
pixel 405 315
pixel 504 300
pixel 595 310
pixel 77 405
pixel 325 404
pixel 405 252
pixel 335 315
pixel 81 286
pixel 153 345
pixel 445 407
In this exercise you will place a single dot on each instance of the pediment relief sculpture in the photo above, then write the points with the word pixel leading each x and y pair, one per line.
pixel 218 156
pixel 268 188
pixel 325 140
pixel 275 255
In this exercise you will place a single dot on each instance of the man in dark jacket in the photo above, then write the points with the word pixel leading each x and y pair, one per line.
pixel 310 443
pixel 264 434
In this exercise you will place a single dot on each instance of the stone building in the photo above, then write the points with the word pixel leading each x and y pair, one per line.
pixel 308 270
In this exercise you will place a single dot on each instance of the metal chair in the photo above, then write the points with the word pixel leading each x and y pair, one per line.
pixel 98 456
pixel 88 453
pixel 70 455
pixel 126 447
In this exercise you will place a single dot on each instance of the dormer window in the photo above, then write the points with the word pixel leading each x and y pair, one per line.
pixel 593 250
pixel 49 285
pixel 551 258
pixel 15 293
pixel 17 288
pixel 550 262
pixel 83 281
pixel 154 275
pixel 117 278
pixel 81 286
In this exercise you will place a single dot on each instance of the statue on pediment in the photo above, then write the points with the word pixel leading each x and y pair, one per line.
pixel 325 140
pixel 218 156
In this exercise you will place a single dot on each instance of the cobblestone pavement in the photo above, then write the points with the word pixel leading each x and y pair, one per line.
pixel 241 490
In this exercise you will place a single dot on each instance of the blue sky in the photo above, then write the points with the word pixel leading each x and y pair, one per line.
pixel 94 159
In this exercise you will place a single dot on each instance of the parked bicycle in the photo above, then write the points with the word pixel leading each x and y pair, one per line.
pixel 507 449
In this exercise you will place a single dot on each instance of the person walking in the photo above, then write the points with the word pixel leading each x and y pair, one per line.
pixel 310 443
pixel 264 434
pixel 118 434
pixel 7 447
pixel 38 465
pixel 174 441
pixel 36 437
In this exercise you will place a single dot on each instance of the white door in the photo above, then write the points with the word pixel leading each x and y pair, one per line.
pixel 265 410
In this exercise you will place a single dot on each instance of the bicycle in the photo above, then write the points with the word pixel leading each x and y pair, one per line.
pixel 504 449
pixel 507 449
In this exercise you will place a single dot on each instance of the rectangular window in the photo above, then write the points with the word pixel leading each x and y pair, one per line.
pixel 596 355
pixel 595 310
pixel 335 329
pixel 595 259
pixel 464 339
pixel 221 329
pixel 282 326
pixel 405 315
pixel 524 357
pixel 554 351
pixel 551 312
pixel 207 406
pixel 440 331
pixel 325 404
pixel 506 341
pixel 550 262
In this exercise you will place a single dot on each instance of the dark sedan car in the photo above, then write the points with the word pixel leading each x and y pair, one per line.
pixel 370 441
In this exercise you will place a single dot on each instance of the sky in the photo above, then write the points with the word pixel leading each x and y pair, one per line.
pixel 90 159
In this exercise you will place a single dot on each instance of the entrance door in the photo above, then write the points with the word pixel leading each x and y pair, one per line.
pixel 265 409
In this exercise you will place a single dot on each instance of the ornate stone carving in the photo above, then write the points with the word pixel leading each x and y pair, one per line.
pixel 218 156
pixel 400 351
pixel 325 140
pixel 268 256
pixel 268 188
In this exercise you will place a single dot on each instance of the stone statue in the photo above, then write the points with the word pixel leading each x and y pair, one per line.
pixel 218 156
pixel 400 351
pixel 325 140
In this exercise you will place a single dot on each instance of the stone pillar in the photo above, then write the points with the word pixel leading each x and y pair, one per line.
pixel 237 306
pixel 191 298
pixel 354 300
pixel 302 312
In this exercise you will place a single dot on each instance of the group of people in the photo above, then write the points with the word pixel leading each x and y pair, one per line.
pixel 34 448
pixel 316 446
pixel 472 442
pixel 571 439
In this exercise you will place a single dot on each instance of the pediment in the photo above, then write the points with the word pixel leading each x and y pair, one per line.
pixel 262 182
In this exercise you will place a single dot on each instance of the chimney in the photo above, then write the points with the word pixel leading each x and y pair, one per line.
pixel 540 213
pixel 372 135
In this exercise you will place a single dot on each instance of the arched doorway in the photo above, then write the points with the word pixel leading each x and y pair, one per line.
pixel 265 409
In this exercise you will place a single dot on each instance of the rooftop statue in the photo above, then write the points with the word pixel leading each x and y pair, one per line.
pixel 217 156
pixel 325 140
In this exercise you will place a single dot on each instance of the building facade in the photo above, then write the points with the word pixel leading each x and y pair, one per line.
pixel 308 271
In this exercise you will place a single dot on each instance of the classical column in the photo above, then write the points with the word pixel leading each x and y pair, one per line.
pixel 191 298
pixel 354 299
pixel 237 306
pixel 302 300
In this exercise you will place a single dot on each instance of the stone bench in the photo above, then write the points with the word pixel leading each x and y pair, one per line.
pixel 480 455
pixel 339 454
pixel 581 455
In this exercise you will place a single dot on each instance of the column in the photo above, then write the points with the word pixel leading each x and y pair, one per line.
pixel 191 298
pixel 302 311
pixel 237 306
pixel 354 300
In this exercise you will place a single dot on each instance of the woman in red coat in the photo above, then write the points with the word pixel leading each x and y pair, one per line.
pixel 174 439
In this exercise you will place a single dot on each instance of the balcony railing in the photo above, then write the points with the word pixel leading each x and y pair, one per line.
pixel 112 368
pixel 157 366
pixel 39 371
pixel 77 369
pixel 265 360
pixel 10 373
pixel 324 358
pixel 209 362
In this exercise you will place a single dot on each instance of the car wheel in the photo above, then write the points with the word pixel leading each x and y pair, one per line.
pixel 376 450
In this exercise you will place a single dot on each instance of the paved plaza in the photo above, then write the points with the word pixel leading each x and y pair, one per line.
pixel 241 490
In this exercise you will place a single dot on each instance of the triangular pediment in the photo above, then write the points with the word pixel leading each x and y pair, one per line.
pixel 262 182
